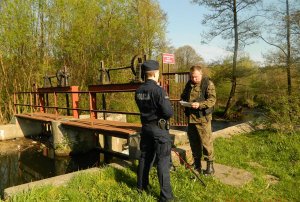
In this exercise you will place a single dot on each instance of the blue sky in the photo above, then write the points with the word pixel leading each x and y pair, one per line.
pixel 185 28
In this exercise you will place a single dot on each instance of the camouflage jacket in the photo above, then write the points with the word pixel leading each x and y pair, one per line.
pixel 204 94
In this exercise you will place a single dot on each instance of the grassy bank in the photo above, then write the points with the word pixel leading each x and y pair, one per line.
pixel 261 153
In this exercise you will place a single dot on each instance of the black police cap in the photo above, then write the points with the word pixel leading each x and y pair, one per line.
pixel 150 65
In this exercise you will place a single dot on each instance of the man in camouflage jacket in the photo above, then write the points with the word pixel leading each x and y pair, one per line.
pixel 200 92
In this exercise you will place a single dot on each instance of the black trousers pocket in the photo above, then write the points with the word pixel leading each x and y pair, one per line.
pixel 163 149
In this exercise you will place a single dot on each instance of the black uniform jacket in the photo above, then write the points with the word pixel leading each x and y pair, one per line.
pixel 154 104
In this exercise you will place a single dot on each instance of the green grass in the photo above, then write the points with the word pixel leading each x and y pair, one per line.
pixel 273 154
pixel 278 155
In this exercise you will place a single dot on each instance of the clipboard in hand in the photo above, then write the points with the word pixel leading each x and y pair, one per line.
pixel 185 104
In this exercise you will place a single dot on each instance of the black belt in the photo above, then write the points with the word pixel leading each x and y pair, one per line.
pixel 154 122
pixel 161 123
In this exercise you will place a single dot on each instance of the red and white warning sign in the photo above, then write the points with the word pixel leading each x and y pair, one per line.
pixel 168 58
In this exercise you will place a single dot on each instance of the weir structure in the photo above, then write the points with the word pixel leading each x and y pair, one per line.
pixel 80 120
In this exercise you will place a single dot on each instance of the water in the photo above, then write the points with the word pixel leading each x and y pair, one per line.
pixel 29 160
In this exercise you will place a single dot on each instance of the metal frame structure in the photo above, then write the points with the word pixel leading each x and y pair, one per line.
pixel 39 99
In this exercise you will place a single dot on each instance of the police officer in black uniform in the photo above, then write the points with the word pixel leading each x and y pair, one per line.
pixel 156 110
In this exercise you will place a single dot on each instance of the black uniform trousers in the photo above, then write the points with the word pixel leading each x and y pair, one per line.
pixel 155 146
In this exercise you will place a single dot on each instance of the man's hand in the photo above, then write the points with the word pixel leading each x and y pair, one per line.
pixel 195 105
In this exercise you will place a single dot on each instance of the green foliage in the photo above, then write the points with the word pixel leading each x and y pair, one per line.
pixel 283 114
pixel 123 102
pixel 260 153
pixel 263 88
pixel 186 57
pixel 246 74
pixel 40 37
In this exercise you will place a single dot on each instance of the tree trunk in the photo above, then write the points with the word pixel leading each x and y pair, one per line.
pixel 288 57
pixel 236 45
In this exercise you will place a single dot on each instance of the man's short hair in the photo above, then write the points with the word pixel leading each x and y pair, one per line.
pixel 150 73
pixel 198 67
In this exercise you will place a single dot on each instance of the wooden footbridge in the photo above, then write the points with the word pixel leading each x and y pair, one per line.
pixel 72 118
pixel 112 128
pixel 105 128
pixel 65 127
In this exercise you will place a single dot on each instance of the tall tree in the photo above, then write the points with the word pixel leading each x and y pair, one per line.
pixel 185 57
pixel 233 21
pixel 296 31
pixel 282 25
pixel 41 36
pixel 151 28
pixel 18 50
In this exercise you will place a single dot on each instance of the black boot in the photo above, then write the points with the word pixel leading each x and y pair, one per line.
pixel 197 167
pixel 197 164
pixel 210 168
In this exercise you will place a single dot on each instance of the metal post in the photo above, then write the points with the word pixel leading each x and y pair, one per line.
pixel 102 73
pixel 15 102
pixel 104 106
pixel 34 88
pixel 68 104
pixel 162 73
pixel 66 79
pixel 31 107
pixel 47 102
pixel 93 105
pixel 75 101
pixel 55 104
pixel 42 102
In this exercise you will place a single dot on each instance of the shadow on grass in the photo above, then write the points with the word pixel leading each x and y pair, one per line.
pixel 129 177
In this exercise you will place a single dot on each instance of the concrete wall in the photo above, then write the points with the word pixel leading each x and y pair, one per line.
pixel 30 127
pixel 22 128
pixel 10 131
pixel 113 143
pixel 67 140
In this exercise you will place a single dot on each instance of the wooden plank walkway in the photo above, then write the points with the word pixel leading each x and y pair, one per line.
pixel 111 128
pixel 39 116
pixel 106 127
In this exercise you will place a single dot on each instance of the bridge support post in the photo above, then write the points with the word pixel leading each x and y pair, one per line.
pixel 71 140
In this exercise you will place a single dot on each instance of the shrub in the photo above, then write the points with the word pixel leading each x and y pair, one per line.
pixel 283 114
